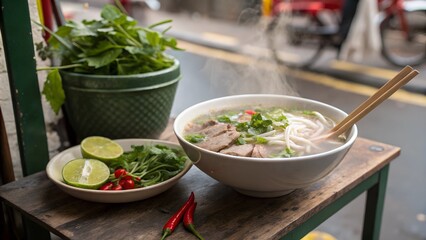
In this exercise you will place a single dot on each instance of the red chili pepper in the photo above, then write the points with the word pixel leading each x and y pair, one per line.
pixel 120 172
pixel 250 112
pixel 174 221
pixel 127 183
pixel 127 177
pixel 107 186
pixel 188 221
pixel 117 187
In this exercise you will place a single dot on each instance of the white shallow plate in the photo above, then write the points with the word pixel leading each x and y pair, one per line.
pixel 55 165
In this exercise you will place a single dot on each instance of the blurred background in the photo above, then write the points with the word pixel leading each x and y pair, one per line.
pixel 338 52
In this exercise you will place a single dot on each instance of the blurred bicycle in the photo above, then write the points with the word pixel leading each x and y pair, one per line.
pixel 301 29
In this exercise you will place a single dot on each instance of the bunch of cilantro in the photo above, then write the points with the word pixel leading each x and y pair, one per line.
pixel 112 45
pixel 151 164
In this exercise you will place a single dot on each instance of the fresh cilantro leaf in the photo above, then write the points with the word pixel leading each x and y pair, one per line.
pixel 240 141
pixel 111 13
pixel 242 127
pixel 224 119
pixel 261 140
pixel 151 163
pixel 53 90
pixel 194 138
pixel 288 152
pixel 310 113
pixel 104 58
pixel 260 125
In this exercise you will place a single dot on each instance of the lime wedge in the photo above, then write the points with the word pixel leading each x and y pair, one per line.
pixel 85 173
pixel 100 148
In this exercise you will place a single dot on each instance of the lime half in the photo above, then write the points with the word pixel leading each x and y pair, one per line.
pixel 100 148
pixel 85 173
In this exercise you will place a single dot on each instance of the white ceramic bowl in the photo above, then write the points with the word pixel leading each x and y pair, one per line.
pixel 263 177
pixel 55 165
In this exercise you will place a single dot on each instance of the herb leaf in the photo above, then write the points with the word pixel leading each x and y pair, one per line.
pixel 288 152
pixel 112 45
pixel 224 119
pixel 195 138
pixel 152 164
pixel 53 90
pixel 104 58
pixel 258 124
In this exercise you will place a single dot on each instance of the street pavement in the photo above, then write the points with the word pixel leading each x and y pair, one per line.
pixel 224 59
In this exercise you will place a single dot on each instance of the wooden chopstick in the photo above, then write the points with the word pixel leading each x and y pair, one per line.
pixel 372 102
pixel 406 70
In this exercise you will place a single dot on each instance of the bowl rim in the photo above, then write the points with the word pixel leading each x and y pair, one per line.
pixel 353 133
pixel 187 166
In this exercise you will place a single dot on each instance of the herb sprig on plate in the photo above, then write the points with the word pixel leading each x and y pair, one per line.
pixel 150 164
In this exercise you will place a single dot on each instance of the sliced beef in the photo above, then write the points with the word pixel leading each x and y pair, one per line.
pixel 209 123
pixel 193 127
pixel 220 141
pixel 259 151
pixel 214 130
pixel 239 150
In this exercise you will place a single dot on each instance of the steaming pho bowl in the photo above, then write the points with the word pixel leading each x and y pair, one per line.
pixel 263 177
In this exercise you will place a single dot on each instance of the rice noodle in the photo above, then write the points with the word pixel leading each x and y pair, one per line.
pixel 320 117
pixel 299 132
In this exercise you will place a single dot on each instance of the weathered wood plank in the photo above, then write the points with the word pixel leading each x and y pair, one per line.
pixel 222 213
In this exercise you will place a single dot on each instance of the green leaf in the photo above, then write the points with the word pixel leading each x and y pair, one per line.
pixel 242 127
pixel 105 30
pixel 153 38
pixel 135 50
pixel 101 47
pixel 79 30
pixel 288 152
pixel 259 124
pixel 171 43
pixel 111 13
pixel 261 140
pixel 60 38
pixel 223 119
pixel 104 58
pixel 53 90
pixel 194 138
pixel 240 141
pixel 309 113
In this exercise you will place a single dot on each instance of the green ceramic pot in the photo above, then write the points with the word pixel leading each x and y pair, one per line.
pixel 125 106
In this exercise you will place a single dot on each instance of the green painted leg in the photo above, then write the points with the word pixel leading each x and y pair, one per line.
pixel 21 68
pixel 374 207
pixel 375 187
pixel 339 203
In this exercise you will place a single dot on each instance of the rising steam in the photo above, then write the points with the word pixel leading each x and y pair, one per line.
pixel 257 72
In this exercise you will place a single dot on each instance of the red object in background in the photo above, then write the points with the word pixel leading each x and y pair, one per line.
pixel 47 17
pixel 311 7
pixel 127 4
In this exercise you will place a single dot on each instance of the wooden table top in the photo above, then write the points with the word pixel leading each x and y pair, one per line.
pixel 221 213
